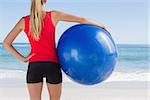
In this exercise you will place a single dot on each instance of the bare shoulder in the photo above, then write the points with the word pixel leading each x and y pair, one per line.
pixel 56 13
pixel 59 15
pixel 55 16
pixel 22 20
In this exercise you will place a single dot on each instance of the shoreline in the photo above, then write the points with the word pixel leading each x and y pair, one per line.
pixel 16 82
pixel 71 91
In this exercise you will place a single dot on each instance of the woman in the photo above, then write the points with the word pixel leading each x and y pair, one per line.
pixel 39 27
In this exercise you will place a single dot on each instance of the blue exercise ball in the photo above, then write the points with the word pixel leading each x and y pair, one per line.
pixel 87 54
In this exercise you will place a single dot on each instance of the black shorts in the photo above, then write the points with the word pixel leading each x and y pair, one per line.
pixel 40 69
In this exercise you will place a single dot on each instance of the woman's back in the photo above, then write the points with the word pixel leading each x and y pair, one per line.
pixel 42 42
pixel 44 48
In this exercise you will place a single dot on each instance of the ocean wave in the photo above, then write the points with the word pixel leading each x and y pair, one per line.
pixel 135 76
pixel 18 45
pixel 19 74
pixel 116 76
pixel 7 74
pixel 22 46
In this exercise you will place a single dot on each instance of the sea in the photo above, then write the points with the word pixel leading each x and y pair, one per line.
pixel 132 65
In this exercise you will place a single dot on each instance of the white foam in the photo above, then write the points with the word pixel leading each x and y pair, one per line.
pixel 135 76
pixel 116 76
pixel 17 74
pixel 21 45
pixel 120 76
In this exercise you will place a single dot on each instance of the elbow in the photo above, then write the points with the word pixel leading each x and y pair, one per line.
pixel 4 44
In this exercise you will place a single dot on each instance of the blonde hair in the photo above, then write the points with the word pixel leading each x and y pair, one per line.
pixel 36 18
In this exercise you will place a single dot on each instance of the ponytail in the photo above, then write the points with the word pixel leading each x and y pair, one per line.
pixel 36 18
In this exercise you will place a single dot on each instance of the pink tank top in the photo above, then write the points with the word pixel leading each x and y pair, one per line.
pixel 44 48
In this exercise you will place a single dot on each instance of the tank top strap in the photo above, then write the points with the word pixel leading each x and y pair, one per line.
pixel 49 13
pixel 26 23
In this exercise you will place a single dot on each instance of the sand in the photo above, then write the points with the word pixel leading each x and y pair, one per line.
pixel 71 91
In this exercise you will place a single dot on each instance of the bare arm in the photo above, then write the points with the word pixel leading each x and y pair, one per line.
pixel 61 16
pixel 7 43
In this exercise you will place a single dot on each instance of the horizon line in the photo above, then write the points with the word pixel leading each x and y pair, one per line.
pixel 116 43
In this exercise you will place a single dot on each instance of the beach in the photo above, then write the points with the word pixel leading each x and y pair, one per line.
pixel 73 91
pixel 129 80
pixel 126 20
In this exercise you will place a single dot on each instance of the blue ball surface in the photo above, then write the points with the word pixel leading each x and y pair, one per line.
pixel 87 54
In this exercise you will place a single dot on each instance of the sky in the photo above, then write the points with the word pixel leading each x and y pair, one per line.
pixel 127 19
